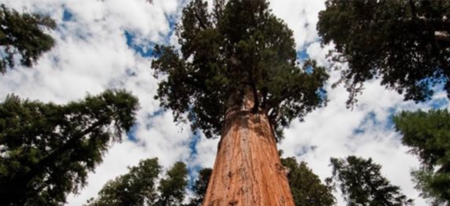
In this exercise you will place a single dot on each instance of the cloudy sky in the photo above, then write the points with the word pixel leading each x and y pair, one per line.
pixel 106 44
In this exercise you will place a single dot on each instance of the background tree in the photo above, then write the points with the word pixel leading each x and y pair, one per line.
pixel 23 36
pixel 404 42
pixel 362 184
pixel 306 186
pixel 47 150
pixel 236 74
pixel 172 187
pixel 428 135
pixel 200 186
pixel 136 188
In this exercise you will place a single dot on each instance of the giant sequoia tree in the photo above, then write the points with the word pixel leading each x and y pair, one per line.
pixel 428 136
pixel 405 42
pixel 47 150
pixel 236 75
pixel 22 36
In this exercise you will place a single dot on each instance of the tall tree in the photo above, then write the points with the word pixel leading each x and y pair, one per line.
pixel 362 184
pixel 306 186
pixel 237 75
pixel 47 150
pixel 136 188
pixel 23 36
pixel 404 42
pixel 428 135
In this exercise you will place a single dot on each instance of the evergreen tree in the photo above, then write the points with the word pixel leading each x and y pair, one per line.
pixel 428 135
pixel 47 150
pixel 237 70
pixel 23 36
pixel 362 184
pixel 136 188
pixel 240 46
pixel 306 186
pixel 200 187
pixel 172 187
pixel 405 42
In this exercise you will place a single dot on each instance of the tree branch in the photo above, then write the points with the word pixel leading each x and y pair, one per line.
pixel 202 24
pixel 413 9
pixel 37 168
pixel 255 97
pixel 264 97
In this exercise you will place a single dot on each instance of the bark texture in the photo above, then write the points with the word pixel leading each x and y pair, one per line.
pixel 248 171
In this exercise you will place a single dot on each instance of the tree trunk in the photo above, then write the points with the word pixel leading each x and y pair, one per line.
pixel 248 171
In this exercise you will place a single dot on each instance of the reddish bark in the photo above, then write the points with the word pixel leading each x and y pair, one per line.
pixel 248 171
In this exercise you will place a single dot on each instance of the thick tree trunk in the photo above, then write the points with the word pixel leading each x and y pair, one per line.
pixel 248 171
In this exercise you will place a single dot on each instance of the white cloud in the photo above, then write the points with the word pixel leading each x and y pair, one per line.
pixel 301 17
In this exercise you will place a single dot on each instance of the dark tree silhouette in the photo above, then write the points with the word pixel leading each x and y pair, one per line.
pixel 47 150
pixel 428 136
pixel 404 42
pixel 306 186
pixel 23 36
pixel 362 184
pixel 138 187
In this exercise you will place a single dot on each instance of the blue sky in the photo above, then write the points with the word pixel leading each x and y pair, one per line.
pixel 108 44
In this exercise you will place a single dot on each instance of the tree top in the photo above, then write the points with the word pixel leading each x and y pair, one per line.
pixel 238 47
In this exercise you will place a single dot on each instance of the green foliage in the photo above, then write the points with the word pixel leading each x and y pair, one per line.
pixel 172 187
pixel 23 35
pixel 47 150
pixel 135 188
pixel 200 187
pixel 405 42
pixel 239 47
pixel 428 135
pixel 306 186
pixel 362 184
pixel 138 187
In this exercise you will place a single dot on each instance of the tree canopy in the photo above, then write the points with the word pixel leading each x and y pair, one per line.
pixel 172 187
pixel 428 136
pixel 47 149
pixel 238 47
pixel 306 186
pixel 138 186
pixel 135 188
pixel 23 36
pixel 362 184
pixel 406 43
